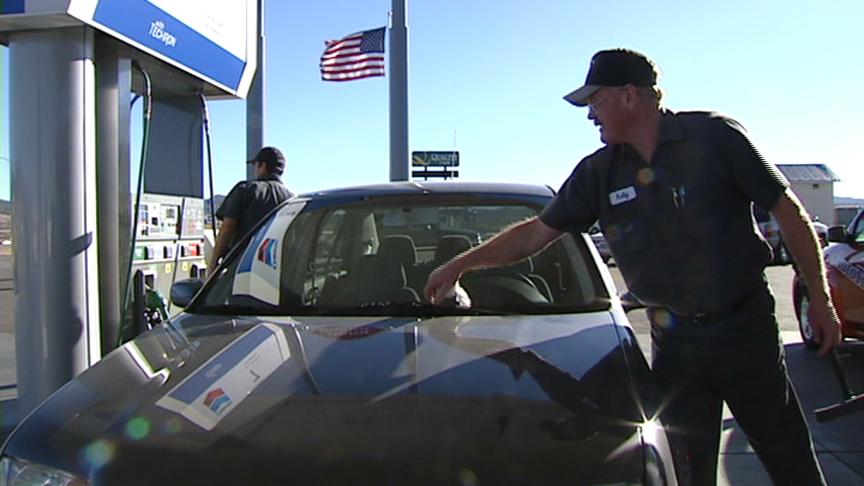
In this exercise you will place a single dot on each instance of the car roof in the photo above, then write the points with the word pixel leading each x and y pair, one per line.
pixel 423 187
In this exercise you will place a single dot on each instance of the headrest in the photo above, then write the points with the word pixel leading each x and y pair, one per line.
pixel 378 272
pixel 400 247
pixel 451 245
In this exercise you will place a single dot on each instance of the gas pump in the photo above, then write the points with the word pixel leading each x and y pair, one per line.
pixel 71 80
pixel 170 240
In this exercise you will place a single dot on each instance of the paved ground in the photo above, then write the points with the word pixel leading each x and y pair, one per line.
pixel 838 443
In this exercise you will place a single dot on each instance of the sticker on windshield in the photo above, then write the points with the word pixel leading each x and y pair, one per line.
pixel 217 387
pixel 260 270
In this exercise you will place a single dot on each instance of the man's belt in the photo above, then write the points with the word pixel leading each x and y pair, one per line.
pixel 708 318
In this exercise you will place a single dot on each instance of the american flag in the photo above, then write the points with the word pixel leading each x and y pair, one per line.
pixel 356 56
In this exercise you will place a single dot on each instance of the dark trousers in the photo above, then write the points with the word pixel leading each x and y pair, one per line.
pixel 740 361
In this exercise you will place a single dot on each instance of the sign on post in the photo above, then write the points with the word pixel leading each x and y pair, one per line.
pixel 435 159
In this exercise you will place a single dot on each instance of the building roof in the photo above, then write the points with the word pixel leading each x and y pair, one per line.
pixel 807 173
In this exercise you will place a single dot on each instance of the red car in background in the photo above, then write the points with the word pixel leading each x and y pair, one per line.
pixel 844 263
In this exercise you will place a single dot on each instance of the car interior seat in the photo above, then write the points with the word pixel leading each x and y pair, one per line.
pixel 402 249
pixel 376 279
pixel 449 246
pixel 526 267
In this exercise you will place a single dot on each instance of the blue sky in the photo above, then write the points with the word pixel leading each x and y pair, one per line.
pixel 486 77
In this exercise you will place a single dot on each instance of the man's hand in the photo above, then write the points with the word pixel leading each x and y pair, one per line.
pixel 801 240
pixel 442 282
pixel 512 244
pixel 826 326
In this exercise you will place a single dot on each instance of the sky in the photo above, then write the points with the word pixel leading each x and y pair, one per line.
pixel 486 78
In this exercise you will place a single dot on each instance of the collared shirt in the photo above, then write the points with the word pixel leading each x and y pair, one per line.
pixel 249 201
pixel 681 227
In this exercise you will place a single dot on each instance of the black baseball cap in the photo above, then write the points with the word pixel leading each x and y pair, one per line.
pixel 615 67
pixel 272 157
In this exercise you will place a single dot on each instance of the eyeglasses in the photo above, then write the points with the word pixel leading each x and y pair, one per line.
pixel 594 104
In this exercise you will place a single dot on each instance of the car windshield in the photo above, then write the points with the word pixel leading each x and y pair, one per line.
pixel 373 257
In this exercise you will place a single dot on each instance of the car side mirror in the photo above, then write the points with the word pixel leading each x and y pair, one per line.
pixel 630 302
pixel 183 290
pixel 838 234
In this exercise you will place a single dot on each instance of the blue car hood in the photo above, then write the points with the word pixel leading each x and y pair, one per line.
pixel 332 399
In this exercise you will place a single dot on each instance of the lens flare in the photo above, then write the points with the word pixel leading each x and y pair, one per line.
pixel 645 176
pixel 173 426
pixel 99 453
pixel 662 318
pixel 467 477
pixel 138 428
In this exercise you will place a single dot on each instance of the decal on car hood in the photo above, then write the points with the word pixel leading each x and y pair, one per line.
pixel 206 396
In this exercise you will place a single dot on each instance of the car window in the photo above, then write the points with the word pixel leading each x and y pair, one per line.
pixel 258 275
pixel 857 228
pixel 373 257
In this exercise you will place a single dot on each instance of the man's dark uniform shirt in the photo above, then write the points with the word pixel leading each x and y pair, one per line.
pixel 249 201
pixel 680 228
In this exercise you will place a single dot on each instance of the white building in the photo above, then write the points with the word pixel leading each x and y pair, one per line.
pixel 814 186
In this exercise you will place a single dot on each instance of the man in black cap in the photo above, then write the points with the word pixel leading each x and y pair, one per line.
pixel 673 193
pixel 249 201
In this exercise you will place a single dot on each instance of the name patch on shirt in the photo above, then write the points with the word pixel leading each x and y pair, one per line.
pixel 622 195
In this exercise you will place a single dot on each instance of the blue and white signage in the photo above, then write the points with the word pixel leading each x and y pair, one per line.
pixel 208 38
pixel 213 40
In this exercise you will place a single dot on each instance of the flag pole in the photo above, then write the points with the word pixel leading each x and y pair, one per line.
pixel 399 91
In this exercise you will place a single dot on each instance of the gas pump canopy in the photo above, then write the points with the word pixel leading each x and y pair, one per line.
pixel 213 41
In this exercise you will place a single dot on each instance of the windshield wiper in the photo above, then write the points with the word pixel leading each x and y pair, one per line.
pixel 234 309
pixel 418 309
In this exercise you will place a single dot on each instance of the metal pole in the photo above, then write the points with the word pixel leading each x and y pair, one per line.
pixel 399 92
pixel 113 94
pixel 255 101
pixel 53 154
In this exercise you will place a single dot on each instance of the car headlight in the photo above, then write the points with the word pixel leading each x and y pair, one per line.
pixel 14 472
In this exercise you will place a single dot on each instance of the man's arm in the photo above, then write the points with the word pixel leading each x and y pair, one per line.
pixel 226 234
pixel 802 243
pixel 509 246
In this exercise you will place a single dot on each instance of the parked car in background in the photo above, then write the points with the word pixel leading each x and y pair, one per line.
pixel 821 230
pixel 844 262
pixel 844 213
pixel 771 232
pixel 600 242
pixel 309 357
